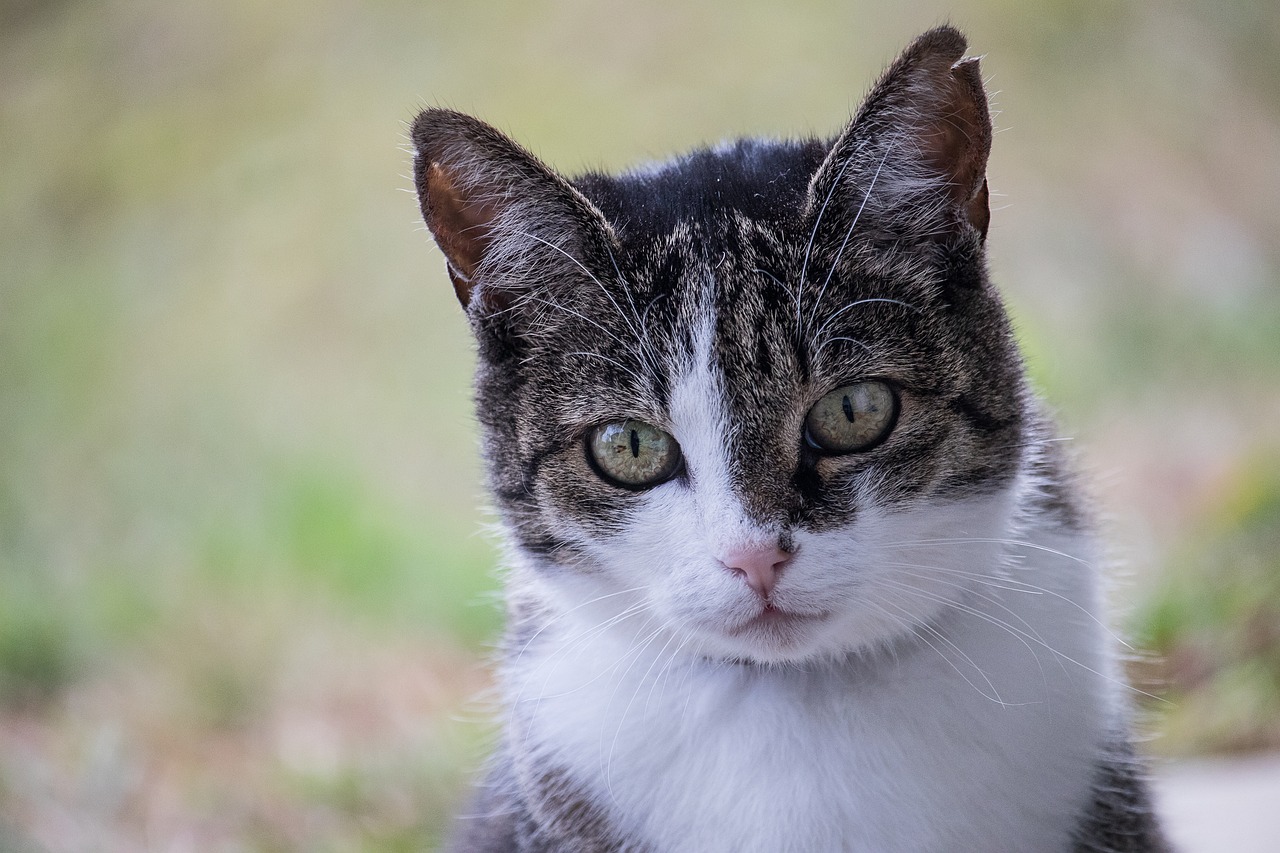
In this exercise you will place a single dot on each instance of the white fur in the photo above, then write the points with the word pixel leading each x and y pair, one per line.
pixel 949 693
pixel 897 751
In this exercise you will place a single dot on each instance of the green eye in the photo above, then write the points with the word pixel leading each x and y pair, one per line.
pixel 851 418
pixel 633 454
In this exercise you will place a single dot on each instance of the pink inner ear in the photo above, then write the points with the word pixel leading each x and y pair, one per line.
pixel 462 227
pixel 957 140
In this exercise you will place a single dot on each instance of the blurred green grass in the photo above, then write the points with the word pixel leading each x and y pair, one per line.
pixel 241 572
pixel 1213 624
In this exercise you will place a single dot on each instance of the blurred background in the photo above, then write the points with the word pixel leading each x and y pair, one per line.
pixel 245 595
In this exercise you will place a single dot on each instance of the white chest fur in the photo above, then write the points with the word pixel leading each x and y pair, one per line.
pixel 907 751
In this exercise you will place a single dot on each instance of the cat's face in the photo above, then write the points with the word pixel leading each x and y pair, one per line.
pixel 760 402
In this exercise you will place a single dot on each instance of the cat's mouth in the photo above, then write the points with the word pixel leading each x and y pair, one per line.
pixel 777 624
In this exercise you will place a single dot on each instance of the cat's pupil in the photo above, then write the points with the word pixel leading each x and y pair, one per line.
pixel 851 418
pixel 633 453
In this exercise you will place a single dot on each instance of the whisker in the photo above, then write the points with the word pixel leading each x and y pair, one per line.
pixel 974 577
pixel 808 249
pixel 914 627
pixel 635 654
pixel 1062 655
pixel 1036 443
pixel 849 233
pixel 567 310
pixel 562 614
pixel 835 314
pixel 578 641
pixel 1012 584
pixel 827 342
pixel 684 642
pixel 989 541
pixel 963 608
pixel 590 275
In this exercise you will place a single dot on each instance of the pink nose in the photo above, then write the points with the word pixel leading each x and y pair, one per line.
pixel 759 566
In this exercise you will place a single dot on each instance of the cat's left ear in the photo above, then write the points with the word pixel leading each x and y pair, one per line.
pixel 912 163
pixel 508 225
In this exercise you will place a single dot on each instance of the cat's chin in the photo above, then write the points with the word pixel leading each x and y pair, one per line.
pixel 779 626
pixel 781 636
pixel 772 636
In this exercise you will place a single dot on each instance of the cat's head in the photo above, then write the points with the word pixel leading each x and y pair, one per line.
pixel 762 397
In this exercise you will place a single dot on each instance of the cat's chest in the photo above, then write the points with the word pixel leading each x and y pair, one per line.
pixel 907 757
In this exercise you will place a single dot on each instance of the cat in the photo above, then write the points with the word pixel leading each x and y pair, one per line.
pixel 795 561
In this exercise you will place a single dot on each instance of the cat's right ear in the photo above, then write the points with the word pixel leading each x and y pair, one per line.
pixel 912 163
pixel 503 219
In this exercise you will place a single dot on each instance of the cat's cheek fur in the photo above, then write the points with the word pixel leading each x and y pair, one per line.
pixel 657 735
pixel 892 574
pixel 665 557
pixel 861 589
